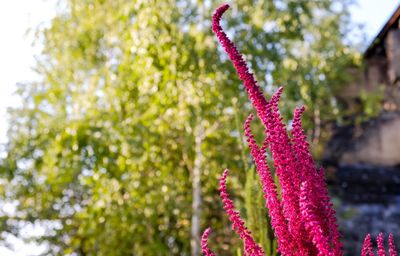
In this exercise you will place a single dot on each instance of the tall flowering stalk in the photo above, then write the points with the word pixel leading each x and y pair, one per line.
pixel 302 217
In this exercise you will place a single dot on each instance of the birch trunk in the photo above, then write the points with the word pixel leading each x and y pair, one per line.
pixel 196 186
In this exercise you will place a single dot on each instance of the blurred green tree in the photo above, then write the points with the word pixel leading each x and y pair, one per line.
pixel 116 150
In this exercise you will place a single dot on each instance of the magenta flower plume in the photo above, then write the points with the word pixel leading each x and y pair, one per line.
pixel 276 132
pixel 250 246
pixel 381 246
pixel 367 247
pixel 285 166
pixel 312 220
pixel 273 203
pixel 264 112
pixel 204 243
pixel 392 246
pixel 308 172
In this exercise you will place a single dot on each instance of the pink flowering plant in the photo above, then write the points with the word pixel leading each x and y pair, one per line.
pixel 302 216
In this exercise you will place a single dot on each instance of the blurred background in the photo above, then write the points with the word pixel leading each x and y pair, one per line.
pixel 119 116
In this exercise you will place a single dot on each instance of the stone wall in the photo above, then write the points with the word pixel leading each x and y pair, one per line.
pixel 376 142
pixel 367 201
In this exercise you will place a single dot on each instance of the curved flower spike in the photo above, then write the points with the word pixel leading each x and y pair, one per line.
pixel 204 243
pixel 255 94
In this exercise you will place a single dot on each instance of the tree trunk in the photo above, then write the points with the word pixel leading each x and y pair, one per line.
pixel 196 186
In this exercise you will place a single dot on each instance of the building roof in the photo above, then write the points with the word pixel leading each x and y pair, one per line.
pixel 378 42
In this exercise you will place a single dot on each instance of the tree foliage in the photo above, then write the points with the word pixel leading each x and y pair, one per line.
pixel 101 151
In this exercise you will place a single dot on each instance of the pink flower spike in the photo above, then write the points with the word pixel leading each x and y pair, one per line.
pixel 286 168
pixel 312 220
pixel 308 172
pixel 278 222
pixel 283 156
pixel 392 246
pixel 276 97
pixel 251 248
pixel 367 247
pixel 381 247
pixel 254 92
pixel 204 243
